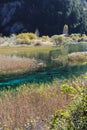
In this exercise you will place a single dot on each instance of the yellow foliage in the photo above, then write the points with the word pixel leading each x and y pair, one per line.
pixel 25 38
pixel 58 39
pixel 75 37
pixel 65 26
pixel 41 89
pixel 45 38
pixel 0 100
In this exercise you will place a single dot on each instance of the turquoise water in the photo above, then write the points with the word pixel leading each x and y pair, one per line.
pixel 43 76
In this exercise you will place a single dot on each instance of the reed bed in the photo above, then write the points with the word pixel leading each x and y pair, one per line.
pixel 15 64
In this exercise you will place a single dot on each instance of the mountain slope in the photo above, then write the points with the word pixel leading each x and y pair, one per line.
pixel 48 16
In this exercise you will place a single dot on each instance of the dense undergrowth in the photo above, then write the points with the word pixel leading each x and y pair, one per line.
pixel 33 106
pixel 75 116
pixel 32 39
pixel 61 105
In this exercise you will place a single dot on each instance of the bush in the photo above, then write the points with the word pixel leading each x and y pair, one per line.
pixel 58 39
pixel 8 41
pixel 77 47
pixel 45 38
pixel 83 38
pixel 73 118
pixel 75 36
pixel 25 38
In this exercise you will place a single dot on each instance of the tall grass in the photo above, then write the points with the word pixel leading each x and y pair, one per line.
pixel 16 65
pixel 29 107
pixel 30 103
pixel 34 105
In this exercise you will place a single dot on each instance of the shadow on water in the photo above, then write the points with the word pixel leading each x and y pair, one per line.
pixel 43 76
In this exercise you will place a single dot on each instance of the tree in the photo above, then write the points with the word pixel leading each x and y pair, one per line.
pixel 49 16
pixel 65 29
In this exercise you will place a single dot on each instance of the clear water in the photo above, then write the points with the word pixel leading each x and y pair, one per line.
pixel 43 76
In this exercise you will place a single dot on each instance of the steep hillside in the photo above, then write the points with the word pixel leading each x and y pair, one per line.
pixel 84 2
pixel 48 16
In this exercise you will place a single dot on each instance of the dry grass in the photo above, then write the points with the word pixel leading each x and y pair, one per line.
pixel 33 104
pixel 78 57
pixel 15 64
pixel 30 107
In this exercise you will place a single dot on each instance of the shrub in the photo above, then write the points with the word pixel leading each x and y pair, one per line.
pixel 76 47
pixel 8 41
pixel 45 38
pixel 75 36
pixel 32 36
pixel 58 39
pixel 73 118
pixel 38 43
pixel 65 29
pixel 25 38
pixel 77 57
pixel 83 38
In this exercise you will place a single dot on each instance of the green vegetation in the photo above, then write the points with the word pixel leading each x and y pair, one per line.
pixel 47 16
pixel 29 95
pixel 48 83
pixel 31 39
pixel 59 105
pixel 25 38
pixel 75 116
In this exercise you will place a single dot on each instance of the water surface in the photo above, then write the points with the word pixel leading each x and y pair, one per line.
pixel 43 76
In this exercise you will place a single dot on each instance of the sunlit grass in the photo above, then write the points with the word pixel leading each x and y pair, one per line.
pixel 35 103
pixel 16 64
pixel 78 57
pixel 24 50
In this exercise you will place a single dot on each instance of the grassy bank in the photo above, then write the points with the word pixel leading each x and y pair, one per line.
pixel 31 107
pixel 26 51
pixel 11 63
pixel 16 65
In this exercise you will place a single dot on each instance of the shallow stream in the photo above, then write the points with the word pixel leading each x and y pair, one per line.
pixel 43 76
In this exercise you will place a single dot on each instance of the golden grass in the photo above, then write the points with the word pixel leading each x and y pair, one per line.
pixel 33 104
pixel 15 64
pixel 24 50
pixel 31 107
pixel 25 38
pixel 78 57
